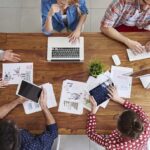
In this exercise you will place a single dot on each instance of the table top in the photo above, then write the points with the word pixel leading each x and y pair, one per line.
pixel 33 48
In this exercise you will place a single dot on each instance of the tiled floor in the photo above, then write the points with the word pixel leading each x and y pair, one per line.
pixel 76 142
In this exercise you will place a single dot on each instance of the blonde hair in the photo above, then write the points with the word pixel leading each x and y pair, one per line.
pixel 76 3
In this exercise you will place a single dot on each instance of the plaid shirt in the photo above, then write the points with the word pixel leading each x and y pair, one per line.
pixel 120 11
pixel 115 141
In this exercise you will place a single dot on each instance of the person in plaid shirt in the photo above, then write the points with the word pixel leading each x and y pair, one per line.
pixel 132 15
pixel 133 127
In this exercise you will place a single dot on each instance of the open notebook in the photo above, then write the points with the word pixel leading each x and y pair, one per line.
pixel 141 56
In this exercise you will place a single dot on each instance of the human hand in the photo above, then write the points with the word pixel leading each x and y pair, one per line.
pixel 135 46
pixel 74 36
pixel 113 94
pixel 93 105
pixel 43 100
pixel 147 46
pixel 10 56
pixel 54 9
pixel 20 100
pixel 3 83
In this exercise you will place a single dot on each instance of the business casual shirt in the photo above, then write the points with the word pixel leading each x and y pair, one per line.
pixel 121 12
pixel 115 141
pixel 57 19
pixel 1 54
pixel 39 142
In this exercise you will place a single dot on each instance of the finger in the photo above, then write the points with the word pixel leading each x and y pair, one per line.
pixel 9 50
pixel 17 58
pixel 110 91
pixel 109 95
pixel 16 55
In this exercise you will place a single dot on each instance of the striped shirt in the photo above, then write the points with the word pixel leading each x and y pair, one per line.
pixel 119 13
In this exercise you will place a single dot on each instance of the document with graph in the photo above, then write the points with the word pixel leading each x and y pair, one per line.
pixel 13 73
pixel 72 96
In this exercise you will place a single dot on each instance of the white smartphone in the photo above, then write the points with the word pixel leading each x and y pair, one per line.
pixel 29 91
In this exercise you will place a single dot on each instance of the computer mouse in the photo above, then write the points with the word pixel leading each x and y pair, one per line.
pixel 116 60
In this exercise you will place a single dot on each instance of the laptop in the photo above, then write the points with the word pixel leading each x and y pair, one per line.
pixel 141 56
pixel 60 49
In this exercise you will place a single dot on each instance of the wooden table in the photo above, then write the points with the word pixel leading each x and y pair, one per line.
pixel 33 48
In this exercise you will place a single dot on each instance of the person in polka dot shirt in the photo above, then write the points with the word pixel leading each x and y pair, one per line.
pixel 133 127
pixel 13 138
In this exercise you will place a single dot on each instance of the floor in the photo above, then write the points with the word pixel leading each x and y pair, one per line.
pixel 76 142
pixel 25 15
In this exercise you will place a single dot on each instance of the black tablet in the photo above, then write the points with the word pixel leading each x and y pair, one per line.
pixel 29 91
pixel 100 93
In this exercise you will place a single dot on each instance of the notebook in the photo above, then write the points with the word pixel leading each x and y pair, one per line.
pixel 60 49
pixel 141 56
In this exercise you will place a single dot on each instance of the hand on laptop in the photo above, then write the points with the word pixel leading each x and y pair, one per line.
pixel 135 46
pixel 3 83
pixel 74 36
pixel 43 100
pixel 93 105
pixel 113 94
pixel 10 56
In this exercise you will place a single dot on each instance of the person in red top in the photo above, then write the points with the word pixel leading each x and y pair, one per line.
pixel 133 127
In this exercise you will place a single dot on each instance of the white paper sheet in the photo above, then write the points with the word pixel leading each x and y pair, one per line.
pixel 145 81
pixel 122 81
pixel 32 107
pixel 72 96
pixel 94 82
pixel 15 72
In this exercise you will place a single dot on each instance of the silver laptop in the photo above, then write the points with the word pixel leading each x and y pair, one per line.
pixel 60 49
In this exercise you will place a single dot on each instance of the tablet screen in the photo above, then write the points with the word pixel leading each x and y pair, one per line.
pixel 100 93
pixel 29 91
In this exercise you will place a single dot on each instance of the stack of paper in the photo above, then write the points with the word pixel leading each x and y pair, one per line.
pixel 122 81
pixel 72 97
pixel 31 107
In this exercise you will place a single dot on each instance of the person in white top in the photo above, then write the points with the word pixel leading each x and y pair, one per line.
pixel 8 55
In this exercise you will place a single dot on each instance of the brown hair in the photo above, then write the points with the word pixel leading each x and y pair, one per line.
pixel 73 2
pixel 129 124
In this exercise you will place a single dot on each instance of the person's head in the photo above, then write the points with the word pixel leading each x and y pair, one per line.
pixel 145 4
pixel 64 3
pixel 129 124
pixel 9 135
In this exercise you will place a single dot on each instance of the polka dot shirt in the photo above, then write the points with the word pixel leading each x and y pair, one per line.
pixel 115 141
pixel 38 142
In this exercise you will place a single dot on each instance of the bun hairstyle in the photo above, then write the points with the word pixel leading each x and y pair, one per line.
pixel 129 124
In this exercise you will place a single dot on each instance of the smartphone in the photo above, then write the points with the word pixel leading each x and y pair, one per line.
pixel 29 91
pixel 100 93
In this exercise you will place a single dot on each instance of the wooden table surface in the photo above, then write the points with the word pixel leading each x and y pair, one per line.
pixel 33 48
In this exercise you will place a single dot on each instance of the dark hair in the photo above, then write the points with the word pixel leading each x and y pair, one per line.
pixel 9 135
pixel 129 124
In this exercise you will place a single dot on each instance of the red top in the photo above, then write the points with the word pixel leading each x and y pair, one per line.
pixel 115 141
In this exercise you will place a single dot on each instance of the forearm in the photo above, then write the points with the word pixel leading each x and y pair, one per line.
pixel 1 55
pixel 5 109
pixel 48 24
pixel 49 117
pixel 81 22
pixel 114 34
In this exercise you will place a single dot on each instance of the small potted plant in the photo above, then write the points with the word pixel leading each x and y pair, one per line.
pixel 96 68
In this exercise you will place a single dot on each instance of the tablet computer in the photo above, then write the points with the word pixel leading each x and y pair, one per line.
pixel 100 93
pixel 29 91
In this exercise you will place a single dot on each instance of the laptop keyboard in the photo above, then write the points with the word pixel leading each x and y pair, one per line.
pixel 65 52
